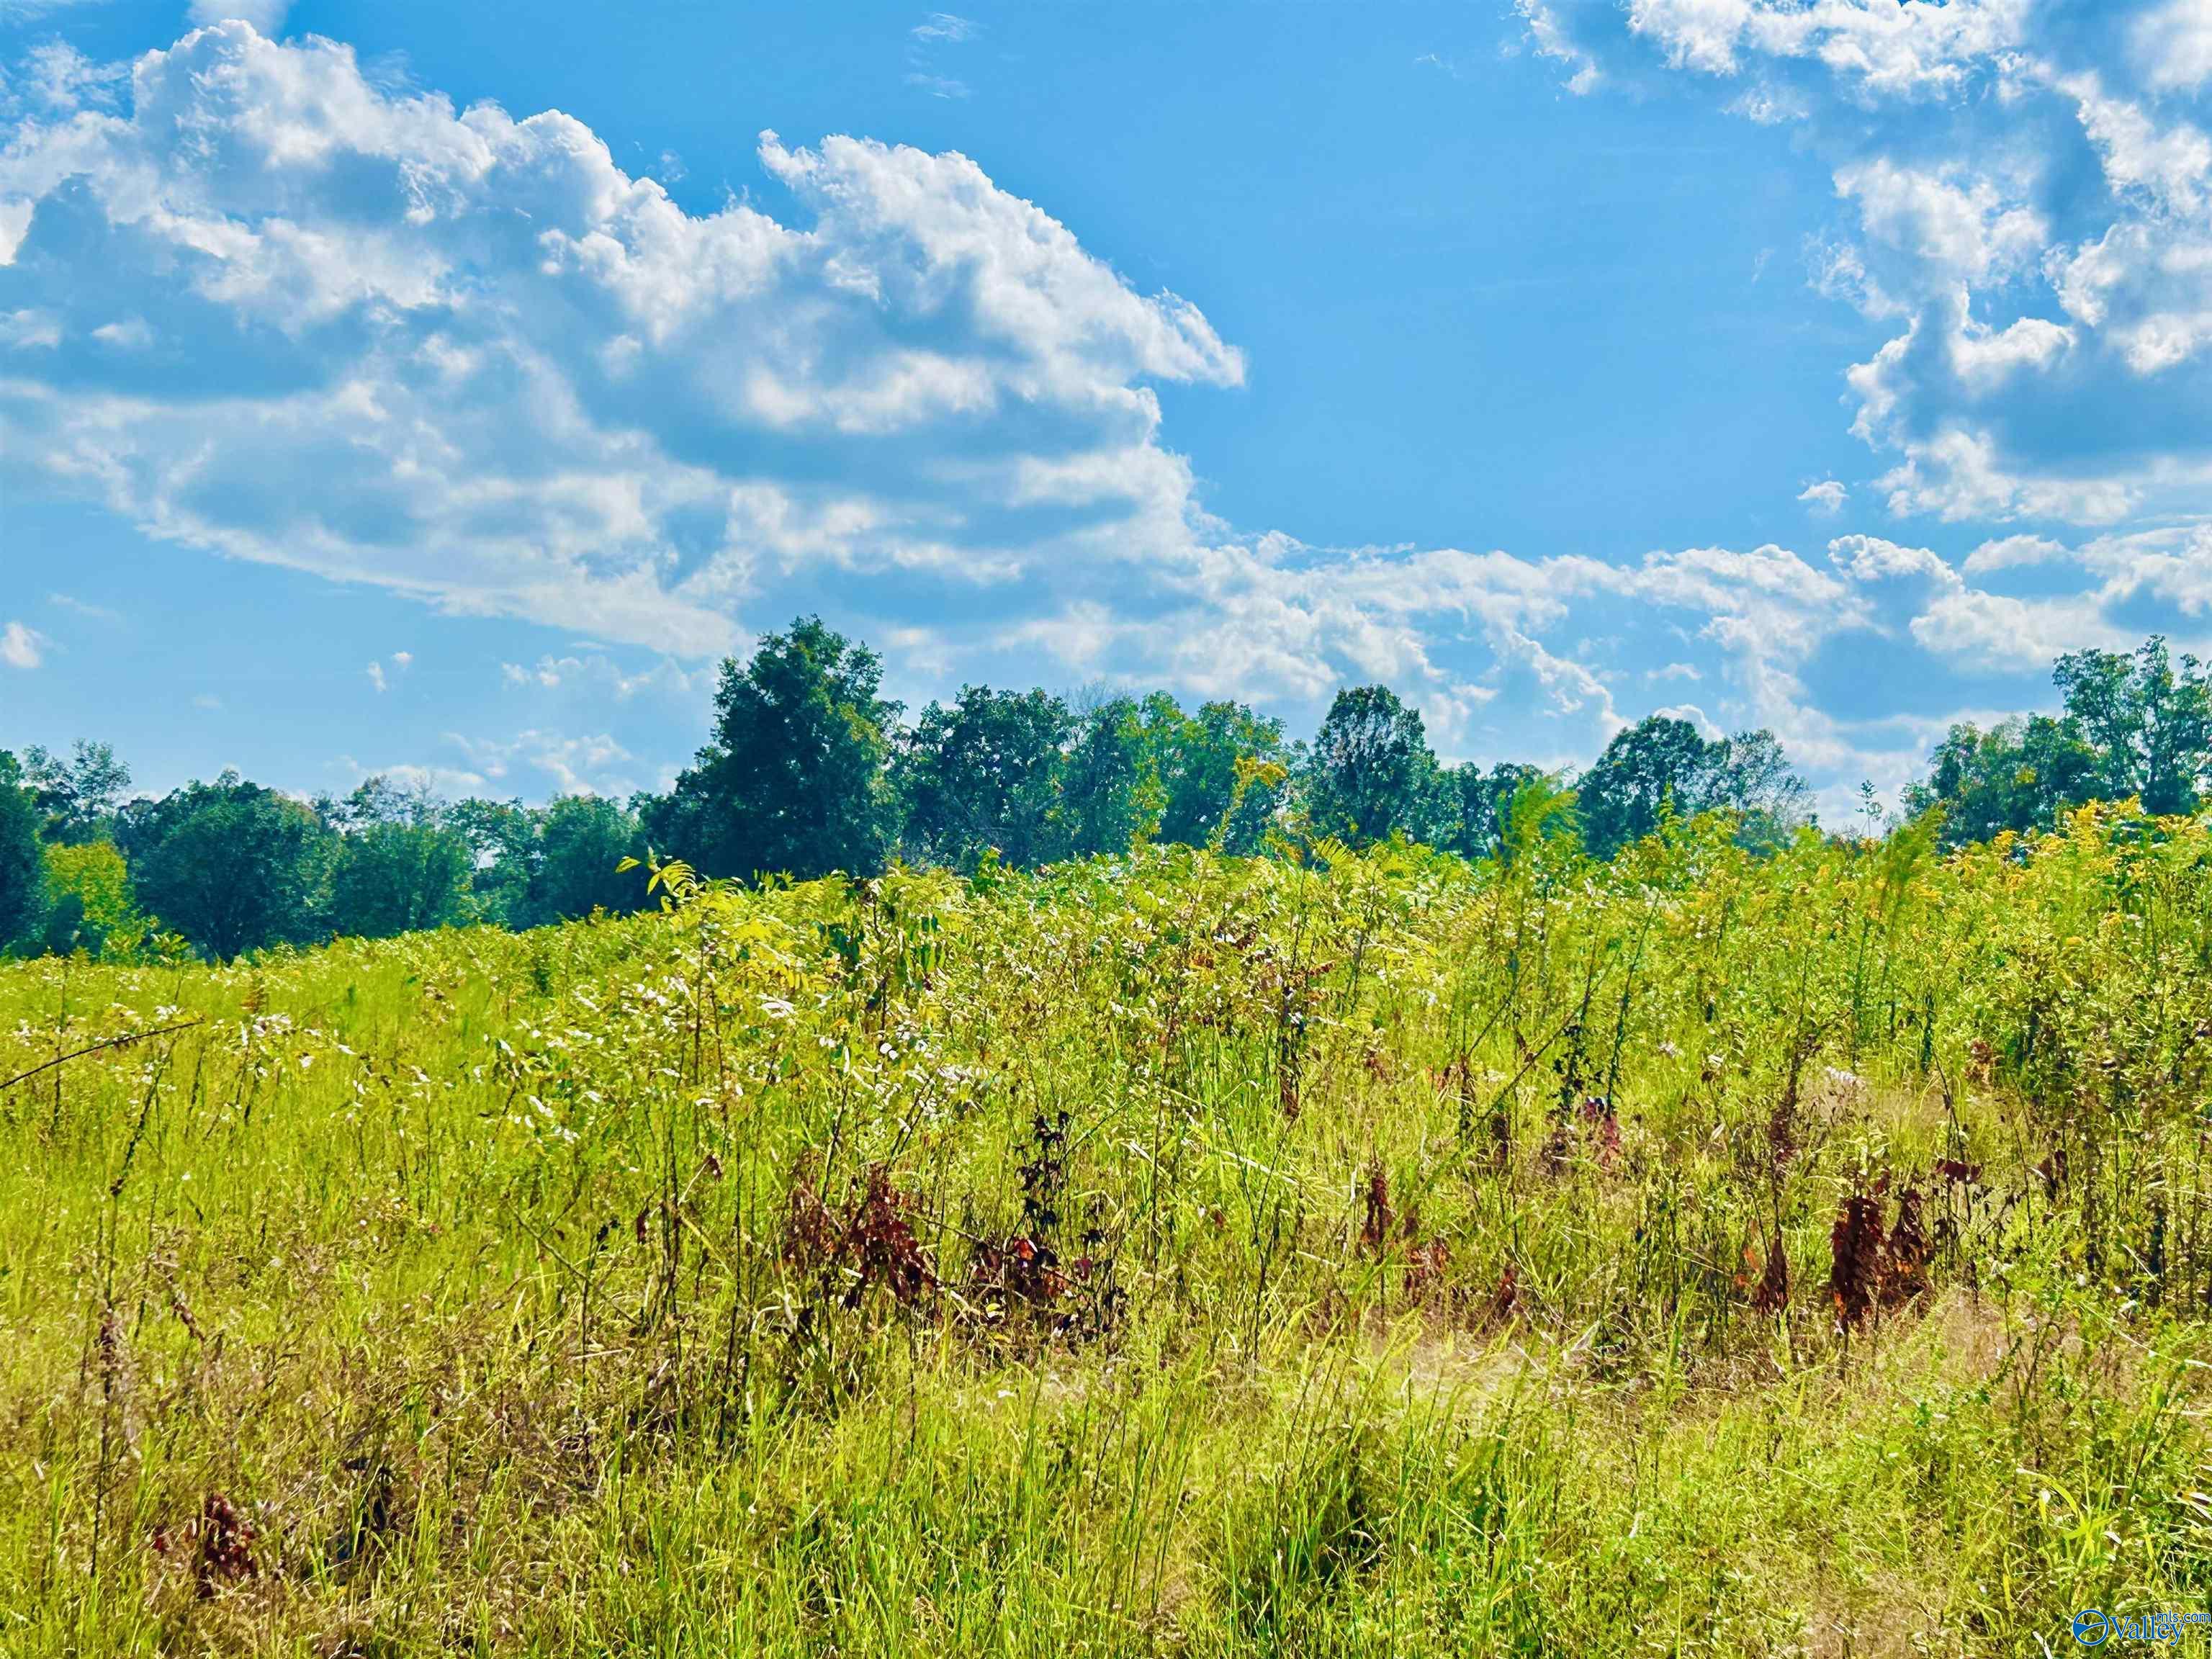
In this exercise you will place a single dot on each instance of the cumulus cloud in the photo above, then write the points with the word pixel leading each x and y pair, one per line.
pixel 21 647
pixel 2173 45
pixel 471 359
pixel 2009 552
pixel 401 661
pixel 1951 227
pixel 2024 190
pixel 263 305
pixel 59 78
pixel 266 16
pixel 468 358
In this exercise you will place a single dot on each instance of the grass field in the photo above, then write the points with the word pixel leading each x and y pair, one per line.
pixel 1690 1255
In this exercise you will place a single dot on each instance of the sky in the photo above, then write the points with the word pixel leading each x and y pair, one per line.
pixel 444 391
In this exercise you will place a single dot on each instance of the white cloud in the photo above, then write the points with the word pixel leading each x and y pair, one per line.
pixel 1553 41
pixel 85 608
pixel 21 647
pixel 1707 726
pixel 2173 45
pixel 266 16
pixel 1871 559
pixel 470 359
pixel 376 677
pixel 125 334
pixel 451 782
pixel 1955 226
pixel 1698 35
pixel 1874 46
pixel 2010 552
pixel 1826 496
pixel 29 330
pixel 595 765
pixel 944 27
pixel 2025 187
pixel 61 80
pixel 1996 631
pixel 605 677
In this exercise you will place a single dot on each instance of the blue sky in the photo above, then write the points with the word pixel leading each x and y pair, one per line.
pixel 445 389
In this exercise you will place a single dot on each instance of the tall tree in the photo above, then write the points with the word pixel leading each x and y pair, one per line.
pixel 582 841
pixel 985 773
pixel 2019 775
pixel 23 869
pixel 794 778
pixel 502 837
pixel 79 796
pixel 1196 756
pixel 230 866
pixel 1658 761
pixel 399 878
pixel 381 800
pixel 1477 806
pixel 1752 777
pixel 1109 793
pixel 2149 720
pixel 1371 773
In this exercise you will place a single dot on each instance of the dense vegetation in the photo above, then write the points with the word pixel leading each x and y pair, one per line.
pixel 1716 1250
pixel 808 770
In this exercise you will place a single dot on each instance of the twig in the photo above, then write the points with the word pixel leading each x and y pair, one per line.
pixel 111 1043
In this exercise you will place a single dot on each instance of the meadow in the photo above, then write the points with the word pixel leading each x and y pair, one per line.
pixel 1354 1253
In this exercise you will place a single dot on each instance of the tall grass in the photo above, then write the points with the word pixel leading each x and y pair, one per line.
pixel 1695 1255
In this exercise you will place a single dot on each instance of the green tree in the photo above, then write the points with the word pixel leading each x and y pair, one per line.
pixel 581 839
pixel 985 773
pixel 1750 777
pixel 1477 806
pixel 399 879
pixel 79 796
pixel 1371 773
pixel 1657 762
pixel 1195 758
pixel 2149 721
pixel 502 837
pixel 90 903
pixel 794 778
pixel 1109 793
pixel 230 866
pixel 22 870
pixel 2019 775
pixel 380 800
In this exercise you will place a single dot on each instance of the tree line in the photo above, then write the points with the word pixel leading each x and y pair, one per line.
pixel 808 769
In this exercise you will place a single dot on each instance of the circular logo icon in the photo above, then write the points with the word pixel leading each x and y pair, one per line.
pixel 2091 1628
